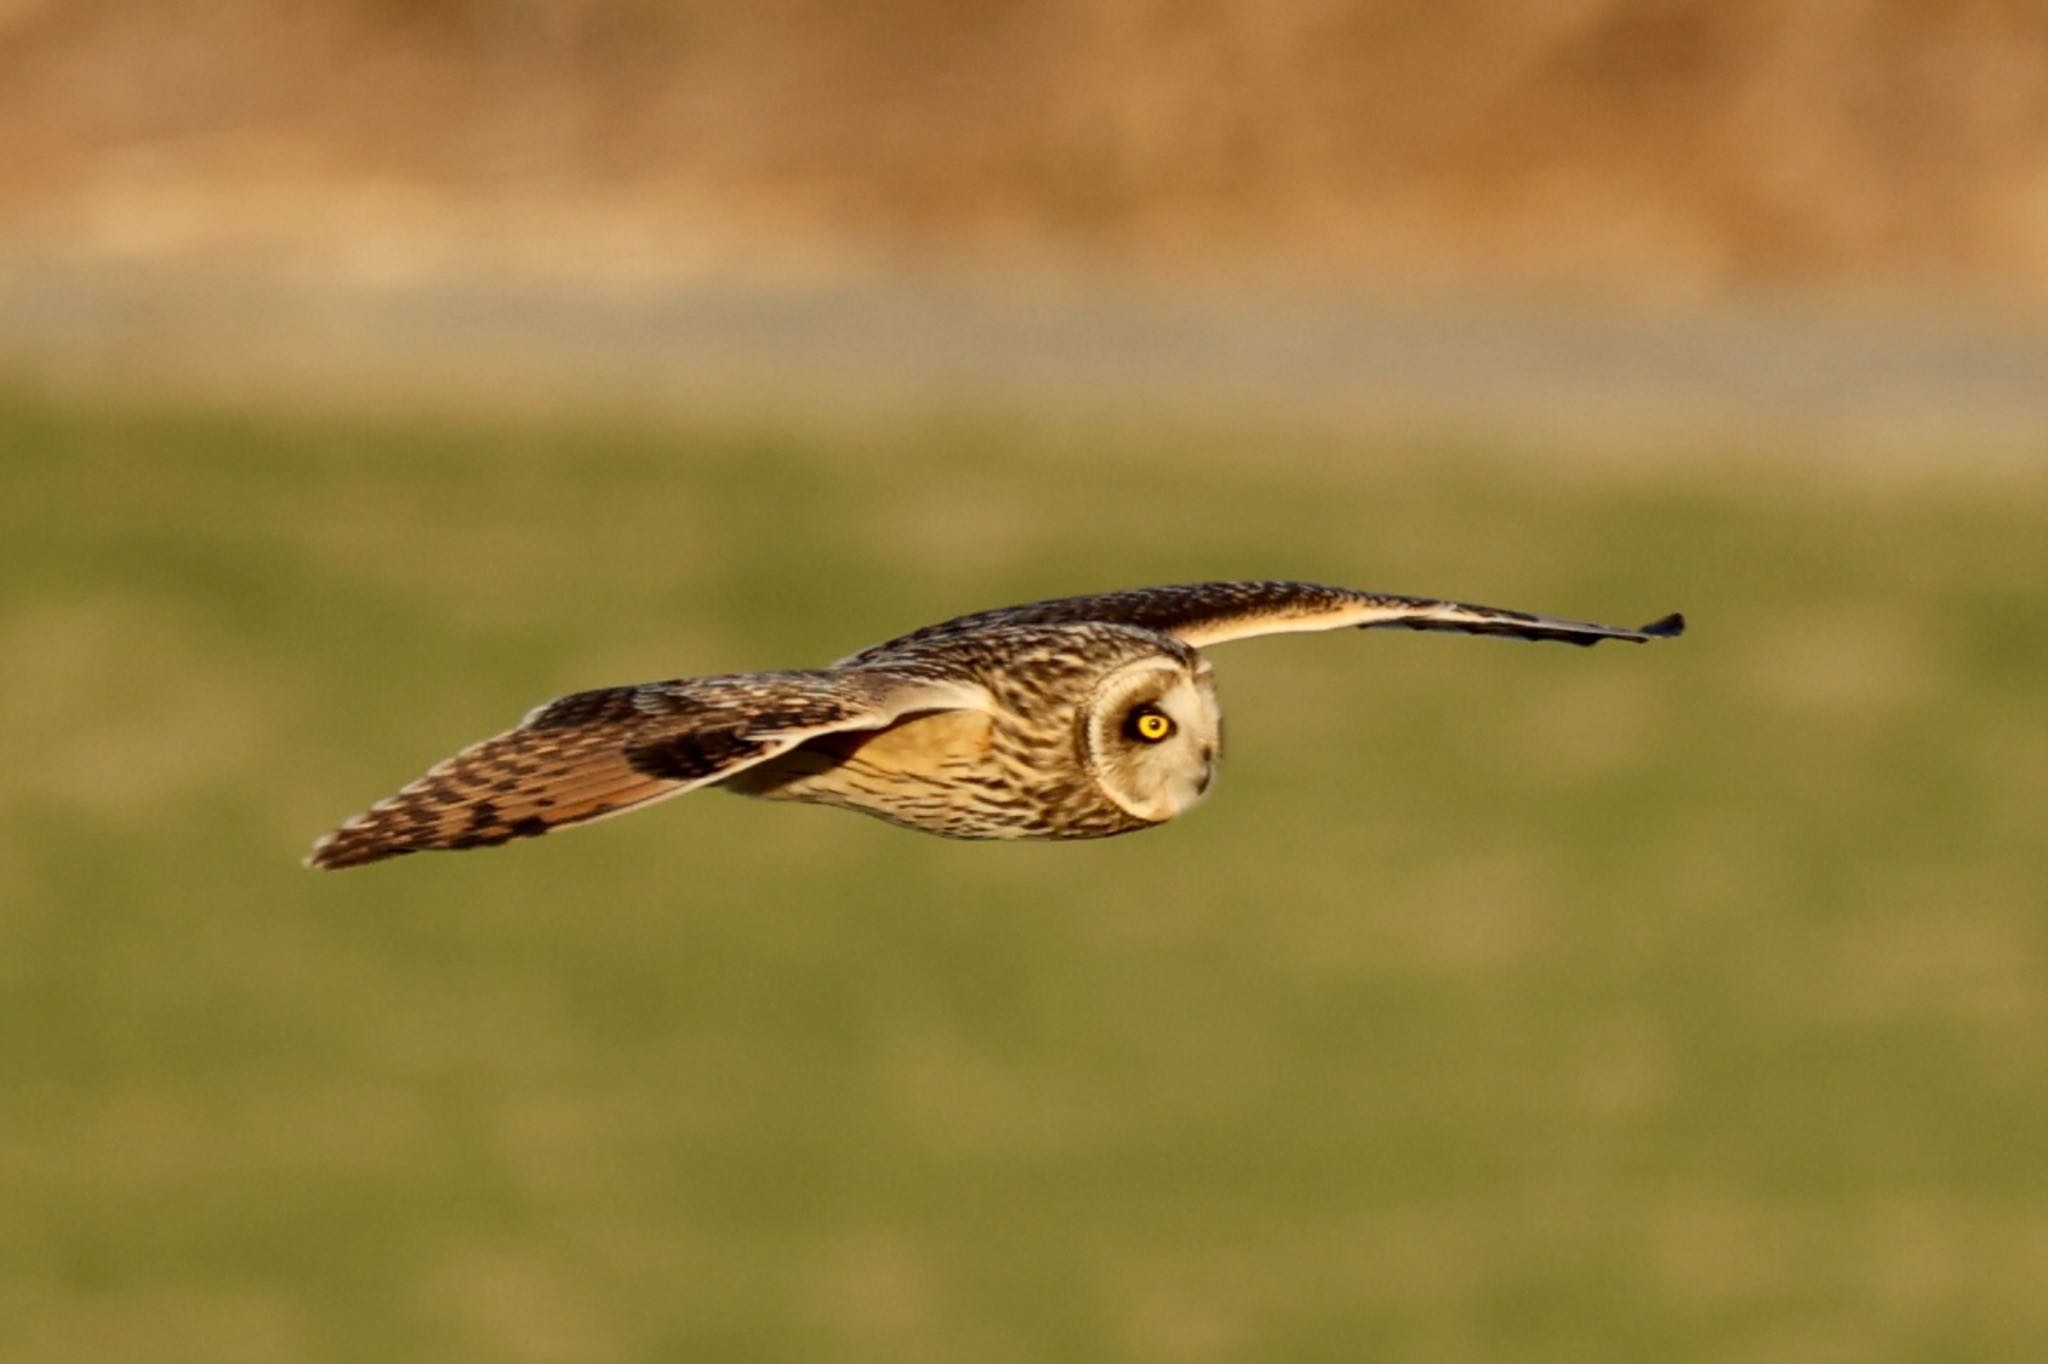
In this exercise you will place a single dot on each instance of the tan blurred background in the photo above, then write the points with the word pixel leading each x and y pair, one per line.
pixel 1586 218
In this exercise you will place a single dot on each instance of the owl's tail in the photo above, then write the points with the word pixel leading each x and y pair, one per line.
pixel 519 784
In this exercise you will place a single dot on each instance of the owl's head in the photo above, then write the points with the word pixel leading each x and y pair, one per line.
pixel 1152 735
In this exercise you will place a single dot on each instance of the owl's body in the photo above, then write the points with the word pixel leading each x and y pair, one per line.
pixel 1081 717
pixel 1019 764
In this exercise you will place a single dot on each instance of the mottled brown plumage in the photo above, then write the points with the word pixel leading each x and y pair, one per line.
pixel 1080 717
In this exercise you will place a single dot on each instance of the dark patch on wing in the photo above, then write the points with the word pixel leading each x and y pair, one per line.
pixel 1488 620
pixel 692 756
pixel 600 706
pixel 1667 627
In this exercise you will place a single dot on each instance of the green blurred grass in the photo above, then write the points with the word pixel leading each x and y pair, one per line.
pixel 1682 1002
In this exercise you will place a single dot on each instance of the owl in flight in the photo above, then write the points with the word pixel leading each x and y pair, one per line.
pixel 1075 718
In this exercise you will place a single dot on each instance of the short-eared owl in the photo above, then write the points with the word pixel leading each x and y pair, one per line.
pixel 1075 718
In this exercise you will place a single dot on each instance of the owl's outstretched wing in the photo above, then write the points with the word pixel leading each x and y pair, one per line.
pixel 1210 613
pixel 599 753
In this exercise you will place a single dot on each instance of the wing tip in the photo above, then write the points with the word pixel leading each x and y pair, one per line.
pixel 333 852
pixel 320 857
pixel 1667 627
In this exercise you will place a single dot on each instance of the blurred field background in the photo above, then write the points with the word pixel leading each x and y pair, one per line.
pixel 1869 144
pixel 372 371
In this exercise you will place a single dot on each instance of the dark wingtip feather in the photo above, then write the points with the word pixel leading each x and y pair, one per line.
pixel 1670 627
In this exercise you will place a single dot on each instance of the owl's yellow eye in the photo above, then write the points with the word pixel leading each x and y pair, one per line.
pixel 1150 725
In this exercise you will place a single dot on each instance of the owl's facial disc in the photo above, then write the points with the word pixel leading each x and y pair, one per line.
pixel 1153 735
